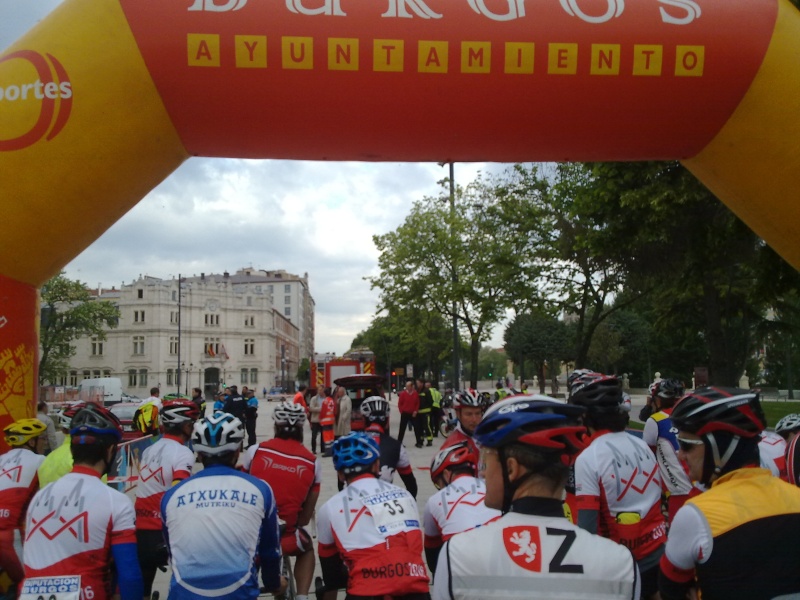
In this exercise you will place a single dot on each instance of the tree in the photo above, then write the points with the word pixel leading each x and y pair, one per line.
pixel 439 259
pixel 304 370
pixel 68 312
pixel 539 337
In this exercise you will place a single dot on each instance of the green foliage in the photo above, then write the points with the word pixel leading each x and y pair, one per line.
pixel 539 337
pixel 68 313
pixel 303 370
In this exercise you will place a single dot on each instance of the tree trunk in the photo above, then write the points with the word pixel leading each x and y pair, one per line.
pixel 474 350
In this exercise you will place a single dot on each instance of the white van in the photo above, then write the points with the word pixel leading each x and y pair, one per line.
pixel 105 390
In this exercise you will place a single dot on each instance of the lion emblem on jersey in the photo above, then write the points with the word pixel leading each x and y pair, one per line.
pixel 523 546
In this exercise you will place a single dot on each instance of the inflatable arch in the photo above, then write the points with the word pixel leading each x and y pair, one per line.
pixel 104 98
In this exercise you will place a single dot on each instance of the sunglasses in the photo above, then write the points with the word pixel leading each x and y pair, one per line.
pixel 686 445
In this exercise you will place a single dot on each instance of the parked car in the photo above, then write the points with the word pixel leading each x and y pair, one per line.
pixel 275 393
pixel 124 412
pixel 359 387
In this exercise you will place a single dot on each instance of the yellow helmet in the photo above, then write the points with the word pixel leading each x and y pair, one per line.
pixel 19 432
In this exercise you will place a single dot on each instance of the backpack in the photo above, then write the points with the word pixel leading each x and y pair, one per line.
pixel 146 420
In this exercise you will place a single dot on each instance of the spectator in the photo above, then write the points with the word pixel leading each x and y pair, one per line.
pixel 50 438
pixel 344 409
pixel 436 410
pixel 423 422
pixel 300 396
pixel 154 398
pixel 408 405
pixel 252 416
pixel 197 398
pixel 327 419
pixel 59 462
pixel 314 410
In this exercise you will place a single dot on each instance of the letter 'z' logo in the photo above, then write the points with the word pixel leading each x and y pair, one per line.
pixel 51 91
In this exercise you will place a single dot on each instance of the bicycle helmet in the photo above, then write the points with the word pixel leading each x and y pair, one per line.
pixel 289 414
pixel 598 393
pixel 178 412
pixel 669 389
pixel 460 454
pixel 712 409
pixel 68 412
pixel 576 375
pixel 95 424
pixel 469 398
pixel 728 421
pixel 218 434
pixel 788 424
pixel 20 432
pixel 355 453
pixel 375 410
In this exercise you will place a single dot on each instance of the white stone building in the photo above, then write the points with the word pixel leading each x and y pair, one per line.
pixel 220 329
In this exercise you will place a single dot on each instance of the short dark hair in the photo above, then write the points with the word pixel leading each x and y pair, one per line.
pixel 42 405
pixel 546 465
pixel 89 454
pixel 282 432
pixel 227 459
pixel 302 387
pixel 614 422
pixel 154 391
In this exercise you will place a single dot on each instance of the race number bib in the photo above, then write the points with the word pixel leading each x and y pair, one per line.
pixel 51 588
pixel 392 511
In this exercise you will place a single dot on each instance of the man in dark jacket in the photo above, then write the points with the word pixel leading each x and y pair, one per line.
pixel 423 425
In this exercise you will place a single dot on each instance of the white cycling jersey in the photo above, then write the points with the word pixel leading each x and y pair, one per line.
pixel 534 555
pixel 18 483
pixel 772 450
pixel 456 508
pixel 661 435
pixel 161 464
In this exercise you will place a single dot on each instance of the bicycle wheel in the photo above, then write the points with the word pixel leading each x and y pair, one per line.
pixel 286 571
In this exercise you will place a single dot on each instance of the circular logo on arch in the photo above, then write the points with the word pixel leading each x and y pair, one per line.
pixel 35 99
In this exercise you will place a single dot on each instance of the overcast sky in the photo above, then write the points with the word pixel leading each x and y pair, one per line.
pixel 215 215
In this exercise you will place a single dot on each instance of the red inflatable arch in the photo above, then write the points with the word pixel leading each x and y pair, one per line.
pixel 104 98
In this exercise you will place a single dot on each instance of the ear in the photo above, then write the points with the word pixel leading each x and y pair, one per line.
pixel 515 469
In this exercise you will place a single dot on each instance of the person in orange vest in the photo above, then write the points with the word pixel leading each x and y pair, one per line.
pixel 327 419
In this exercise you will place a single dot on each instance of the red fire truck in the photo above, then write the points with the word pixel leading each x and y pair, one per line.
pixel 358 378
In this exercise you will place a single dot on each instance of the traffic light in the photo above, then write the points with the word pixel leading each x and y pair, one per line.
pixel 394 373
pixel 490 374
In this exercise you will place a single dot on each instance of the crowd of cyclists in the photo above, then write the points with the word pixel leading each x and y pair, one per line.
pixel 536 497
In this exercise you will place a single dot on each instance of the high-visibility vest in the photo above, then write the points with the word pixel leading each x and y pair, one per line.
pixel 436 395
pixel 327 414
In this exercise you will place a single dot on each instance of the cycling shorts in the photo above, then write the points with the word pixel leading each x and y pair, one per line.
pixel 151 548
pixel 296 542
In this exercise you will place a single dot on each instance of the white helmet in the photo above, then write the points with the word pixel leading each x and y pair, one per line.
pixel 289 414
pixel 375 409
pixel 218 434
pixel 788 423
pixel 467 398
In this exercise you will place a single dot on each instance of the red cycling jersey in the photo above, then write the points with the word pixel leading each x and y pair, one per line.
pixel 162 463
pixel 18 483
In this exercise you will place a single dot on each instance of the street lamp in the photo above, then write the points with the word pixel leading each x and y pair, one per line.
pixel 186 385
pixel 283 367
pixel 456 362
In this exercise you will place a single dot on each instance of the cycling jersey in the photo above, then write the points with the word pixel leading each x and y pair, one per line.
pixel 533 552
pixel 219 524
pixel 459 435
pixel 793 461
pixel 162 463
pixel 74 526
pixel 291 471
pixel 18 483
pixel 617 476
pixel 456 508
pixel 662 438
pixel 739 539
pixel 772 450
pixel 394 457
pixel 374 527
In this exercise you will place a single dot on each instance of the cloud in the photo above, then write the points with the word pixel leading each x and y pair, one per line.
pixel 215 215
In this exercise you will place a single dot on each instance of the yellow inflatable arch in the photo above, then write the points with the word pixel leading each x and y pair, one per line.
pixel 105 98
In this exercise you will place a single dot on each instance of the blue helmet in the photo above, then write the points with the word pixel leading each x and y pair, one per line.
pixel 538 421
pixel 218 434
pixel 354 452
pixel 95 424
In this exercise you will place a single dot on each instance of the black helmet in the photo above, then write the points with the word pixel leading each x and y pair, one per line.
pixel 95 425
pixel 598 394
pixel 669 389
pixel 576 375
pixel 714 409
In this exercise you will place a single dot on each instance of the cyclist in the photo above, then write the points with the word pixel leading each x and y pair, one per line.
pixel 788 428
pixel 532 550
pixel 78 526
pixel 18 483
pixel 458 505
pixel 393 454
pixel 59 462
pixel 659 434
pixel 468 405
pixel 294 474
pixel 738 540
pixel 617 483
pixel 220 524
pixel 372 527
pixel 772 451
pixel 162 465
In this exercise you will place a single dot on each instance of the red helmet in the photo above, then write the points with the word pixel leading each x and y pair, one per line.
pixel 462 453
pixel 713 409
pixel 177 412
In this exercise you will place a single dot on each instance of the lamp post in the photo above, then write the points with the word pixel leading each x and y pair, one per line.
pixel 283 367
pixel 186 384
pixel 456 362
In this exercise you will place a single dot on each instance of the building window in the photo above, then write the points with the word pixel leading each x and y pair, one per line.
pixel 107 373
pixel 174 296
pixel 142 377
pixel 211 346
pixel 132 378
pixel 140 293
pixel 73 379
pixel 253 375
pixel 249 346
pixel 96 373
pixel 173 344
pixel 212 320
pixel 62 380
pixel 249 301
pixel 244 375
pixel 138 344
pixel 97 347
pixel 170 375
pixel 287 289
pixel 287 299
pixel 138 316
pixel 250 321
pixel 173 316
pixel 287 311
pixel 86 374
